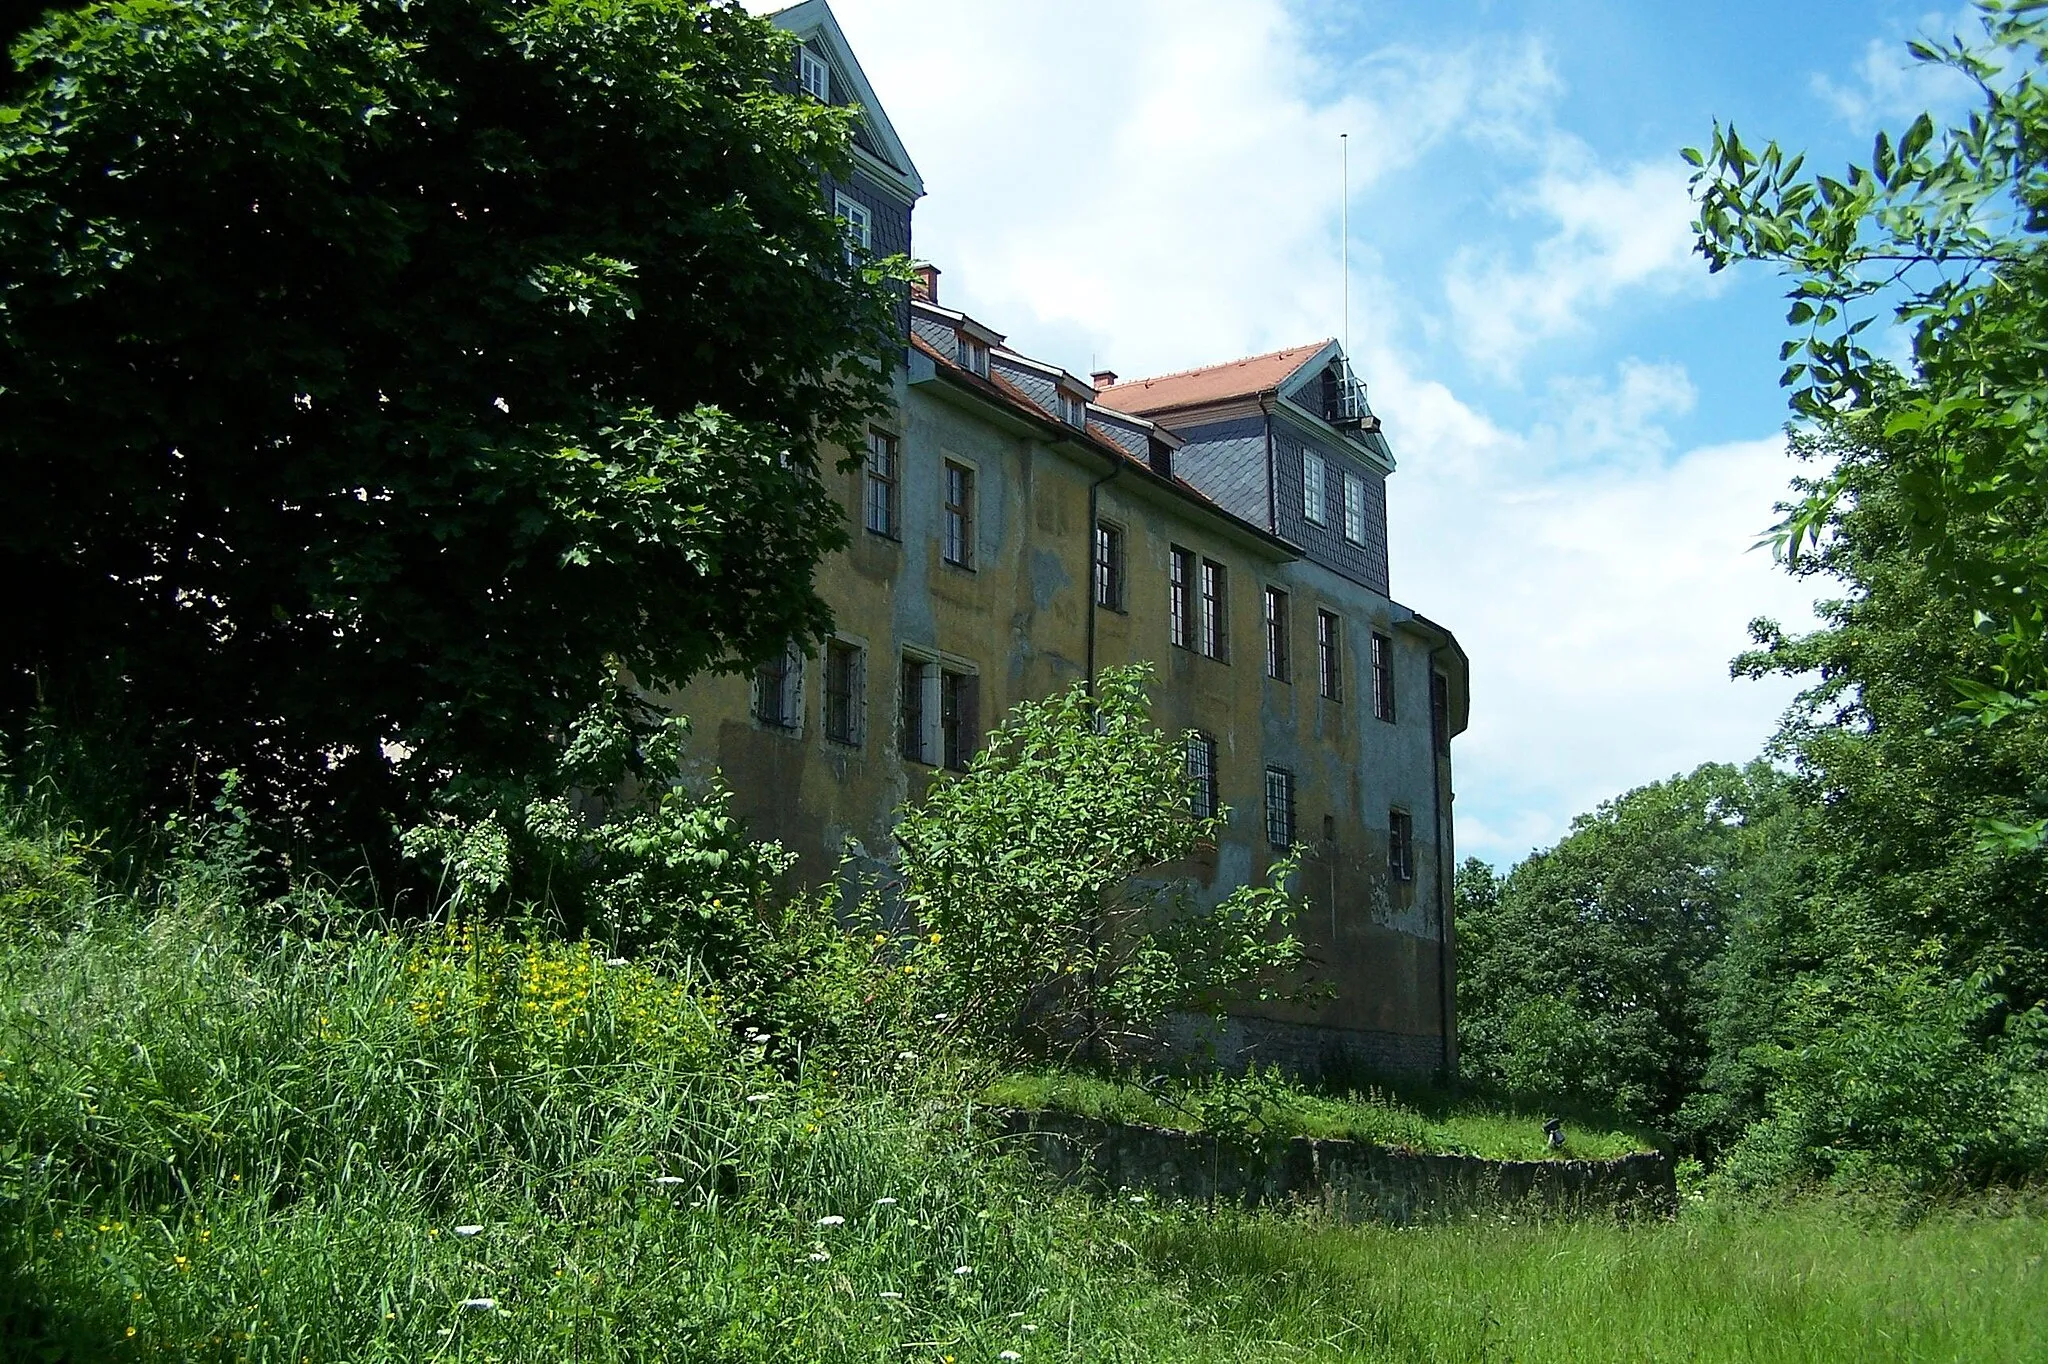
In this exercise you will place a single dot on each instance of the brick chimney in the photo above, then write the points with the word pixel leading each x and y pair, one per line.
pixel 926 285
pixel 1103 378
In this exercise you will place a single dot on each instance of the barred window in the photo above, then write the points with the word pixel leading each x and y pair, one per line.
pixel 881 483
pixel 1330 654
pixel 1400 845
pixel 1279 807
pixel 1354 508
pixel 1383 677
pixel 911 710
pixel 778 696
pixel 959 717
pixel 1440 711
pixel 1314 487
pixel 1180 606
pixel 1202 775
pixel 1278 665
pixel 1215 611
pixel 959 546
pixel 845 692
pixel 1109 566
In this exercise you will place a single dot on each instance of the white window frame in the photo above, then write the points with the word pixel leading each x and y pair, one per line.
pixel 1354 508
pixel 860 226
pixel 1315 488
pixel 813 75
pixel 931 738
pixel 973 354
pixel 1073 410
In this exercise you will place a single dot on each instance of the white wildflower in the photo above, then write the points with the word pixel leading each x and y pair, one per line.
pixel 480 1304
pixel 1009 1354
pixel 964 1269
pixel 759 1098
pixel 614 961
pixel 667 1180
pixel 1029 1329
pixel 835 1220
pixel 471 1230
pixel 819 1257
pixel 885 1202
pixel 906 1056
pixel 893 1297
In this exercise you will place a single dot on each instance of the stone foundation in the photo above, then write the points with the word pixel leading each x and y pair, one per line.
pixel 1349 1181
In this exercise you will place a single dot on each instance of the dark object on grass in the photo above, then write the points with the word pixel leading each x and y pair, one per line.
pixel 1553 1134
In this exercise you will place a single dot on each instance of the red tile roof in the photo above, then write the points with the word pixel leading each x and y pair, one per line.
pixel 1245 378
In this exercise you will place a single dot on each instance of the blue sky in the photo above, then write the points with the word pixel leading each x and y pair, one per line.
pixel 1587 424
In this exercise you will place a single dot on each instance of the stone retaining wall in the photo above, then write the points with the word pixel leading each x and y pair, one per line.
pixel 1349 1180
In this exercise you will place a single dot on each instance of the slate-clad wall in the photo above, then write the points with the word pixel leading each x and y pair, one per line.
pixel 890 235
pixel 1043 392
pixel 1326 544
pixel 1227 461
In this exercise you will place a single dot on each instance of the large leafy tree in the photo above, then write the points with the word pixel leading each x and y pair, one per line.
pixel 1890 1015
pixel 1589 971
pixel 379 380
pixel 1948 229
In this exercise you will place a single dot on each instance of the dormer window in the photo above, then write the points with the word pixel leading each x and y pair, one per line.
pixel 814 75
pixel 1073 410
pixel 973 355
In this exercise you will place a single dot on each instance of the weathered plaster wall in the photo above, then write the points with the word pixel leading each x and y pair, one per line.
pixel 1019 619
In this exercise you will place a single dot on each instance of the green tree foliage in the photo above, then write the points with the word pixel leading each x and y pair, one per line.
pixel 1948 227
pixel 1588 971
pixel 1045 878
pixel 374 377
pixel 1891 1017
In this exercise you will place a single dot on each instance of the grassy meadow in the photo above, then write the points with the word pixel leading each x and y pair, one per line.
pixel 225 1139
pixel 1415 1118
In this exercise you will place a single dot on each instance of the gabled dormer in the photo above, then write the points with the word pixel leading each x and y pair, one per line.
pixel 827 70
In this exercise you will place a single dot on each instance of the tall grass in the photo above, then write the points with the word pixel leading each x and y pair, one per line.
pixel 223 1140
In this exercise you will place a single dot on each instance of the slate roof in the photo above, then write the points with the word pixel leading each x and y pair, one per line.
pixel 1097 436
pixel 1250 377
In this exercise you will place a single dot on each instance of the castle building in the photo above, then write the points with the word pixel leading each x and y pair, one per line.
pixel 1017 527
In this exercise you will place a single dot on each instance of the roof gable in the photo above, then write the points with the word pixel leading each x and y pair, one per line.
pixel 813 22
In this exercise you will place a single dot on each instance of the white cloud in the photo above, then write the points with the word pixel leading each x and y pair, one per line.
pixel 1151 185
pixel 1889 85
pixel 1609 232
pixel 1600 602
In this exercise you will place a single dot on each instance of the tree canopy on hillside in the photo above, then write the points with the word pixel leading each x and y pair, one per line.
pixel 377 380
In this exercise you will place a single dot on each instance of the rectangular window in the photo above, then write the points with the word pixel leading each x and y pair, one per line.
pixel 1277 663
pixel 973 353
pixel 1330 654
pixel 911 711
pixel 1073 410
pixel 814 75
pixel 959 547
pixel 1383 677
pixel 845 692
pixel 881 483
pixel 1400 845
pixel 1314 487
pixel 857 221
pixel 1279 807
pixel 1215 611
pixel 1202 775
pixel 1440 711
pixel 1354 508
pixel 778 689
pixel 1109 566
pixel 959 718
pixel 1180 604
